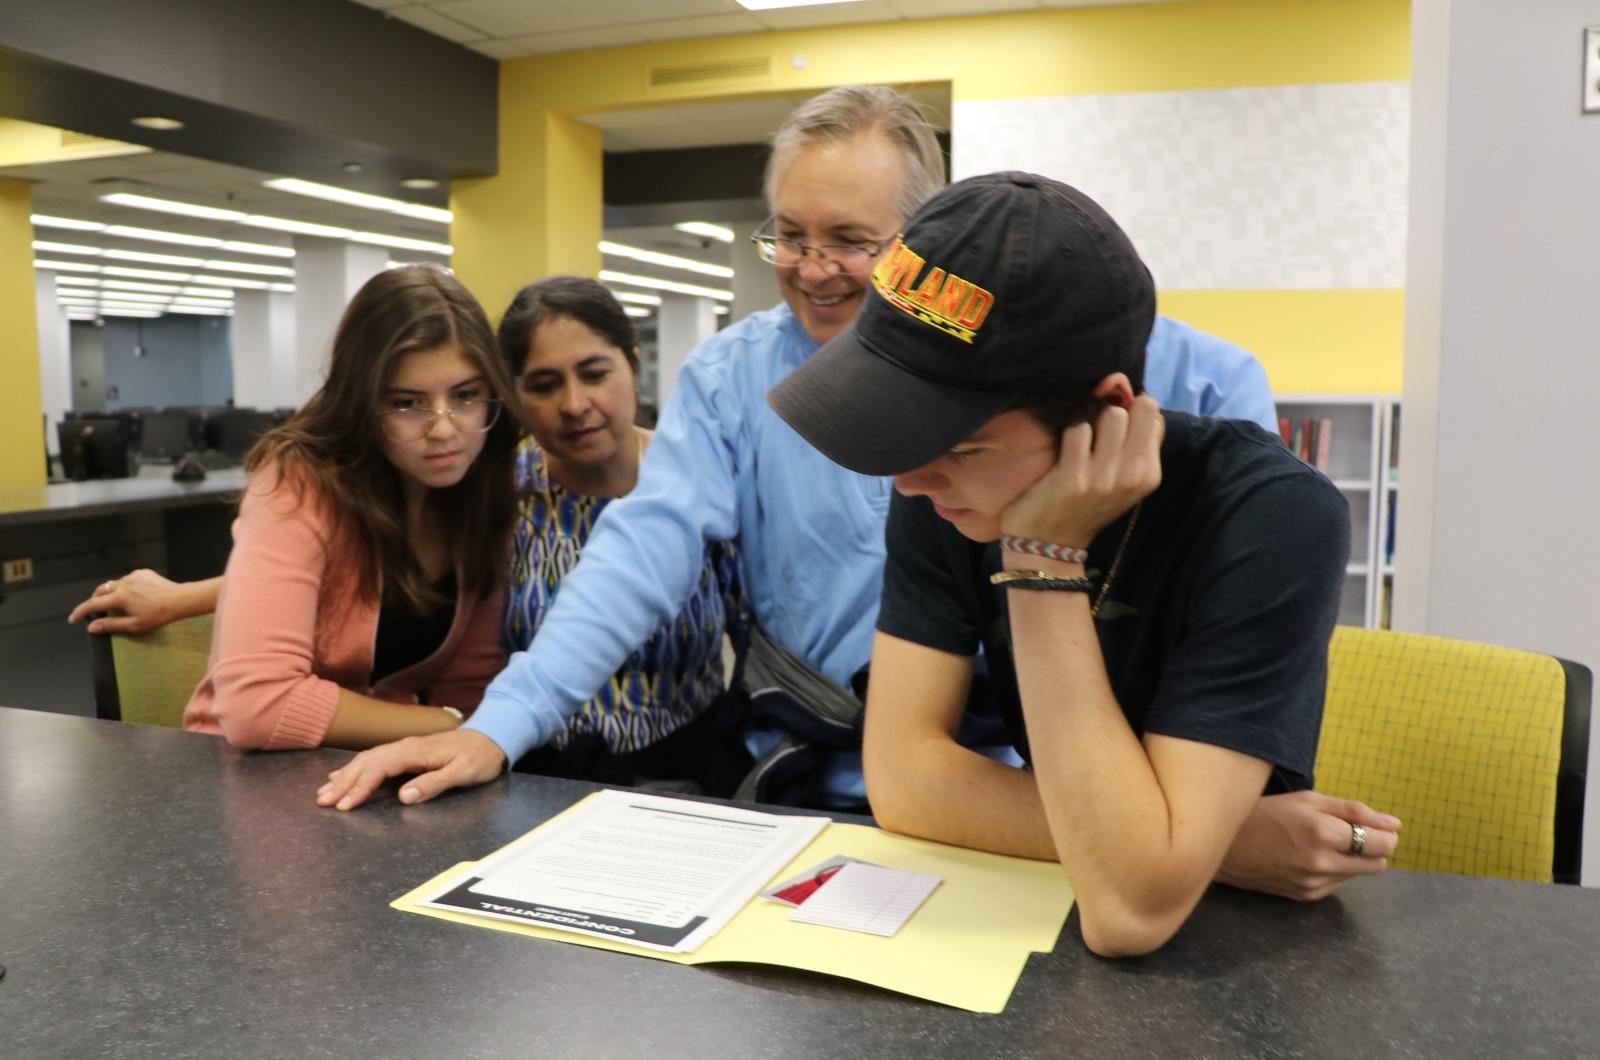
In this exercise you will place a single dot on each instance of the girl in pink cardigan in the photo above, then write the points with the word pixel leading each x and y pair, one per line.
pixel 363 594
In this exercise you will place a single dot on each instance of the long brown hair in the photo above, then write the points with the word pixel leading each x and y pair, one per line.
pixel 332 444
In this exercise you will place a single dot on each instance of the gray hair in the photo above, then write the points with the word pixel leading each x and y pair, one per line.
pixel 842 113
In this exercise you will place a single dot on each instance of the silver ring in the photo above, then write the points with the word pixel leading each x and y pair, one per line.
pixel 1358 840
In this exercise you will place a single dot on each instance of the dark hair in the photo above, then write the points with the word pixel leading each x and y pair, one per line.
pixel 584 300
pixel 333 442
pixel 1058 411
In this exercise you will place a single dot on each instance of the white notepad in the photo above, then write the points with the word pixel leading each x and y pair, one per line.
pixel 870 898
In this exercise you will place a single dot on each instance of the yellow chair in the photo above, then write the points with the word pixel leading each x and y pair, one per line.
pixel 149 677
pixel 1480 750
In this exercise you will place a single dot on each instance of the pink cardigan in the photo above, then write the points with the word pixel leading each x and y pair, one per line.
pixel 291 631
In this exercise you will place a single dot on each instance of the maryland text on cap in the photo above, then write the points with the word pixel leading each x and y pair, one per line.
pixel 1002 286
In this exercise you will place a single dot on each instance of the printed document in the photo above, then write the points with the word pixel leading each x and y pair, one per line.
pixel 664 874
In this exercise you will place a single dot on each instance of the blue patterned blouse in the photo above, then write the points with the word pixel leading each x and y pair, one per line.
pixel 678 671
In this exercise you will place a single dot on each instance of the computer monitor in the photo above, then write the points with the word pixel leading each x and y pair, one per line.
pixel 165 435
pixel 236 430
pixel 101 447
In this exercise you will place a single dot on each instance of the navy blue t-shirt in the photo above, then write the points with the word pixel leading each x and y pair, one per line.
pixel 1216 626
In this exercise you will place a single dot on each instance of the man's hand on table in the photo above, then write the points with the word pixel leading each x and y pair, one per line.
pixel 443 761
pixel 1298 845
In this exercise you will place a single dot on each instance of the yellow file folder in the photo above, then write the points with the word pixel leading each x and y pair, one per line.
pixel 965 947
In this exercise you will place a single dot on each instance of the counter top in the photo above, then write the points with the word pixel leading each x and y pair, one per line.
pixel 163 895
pixel 151 488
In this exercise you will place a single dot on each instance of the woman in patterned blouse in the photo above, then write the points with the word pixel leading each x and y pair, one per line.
pixel 662 719
pixel 575 358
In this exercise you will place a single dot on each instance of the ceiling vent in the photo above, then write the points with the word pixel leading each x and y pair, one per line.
pixel 700 73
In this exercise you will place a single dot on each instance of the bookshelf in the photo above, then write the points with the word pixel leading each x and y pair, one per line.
pixel 1356 435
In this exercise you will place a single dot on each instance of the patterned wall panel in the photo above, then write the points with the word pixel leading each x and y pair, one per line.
pixel 1297 186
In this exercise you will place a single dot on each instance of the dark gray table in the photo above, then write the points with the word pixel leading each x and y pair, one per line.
pixel 164 896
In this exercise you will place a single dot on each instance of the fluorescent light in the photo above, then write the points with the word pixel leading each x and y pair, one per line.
pixel 772 5
pixel 249 267
pixel 636 311
pixel 401 243
pixel 668 261
pixel 116 311
pixel 159 123
pixel 286 287
pixel 674 286
pixel 143 274
pixel 154 259
pixel 266 250
pixel 640 299
pixel 276 224
pixel 206 292
pixel 419 183
pixel 46 221
pixel 156 235
pixel 137 296
pixel 186 209
pixel 707 230
pixel 198 311
pixel 205 303
pixel 721 310
pixel 131 285
pixel 75 281
pixel 359 198
pixel 65 266
pixel 299 228
pixel 66 248
pixel 230 281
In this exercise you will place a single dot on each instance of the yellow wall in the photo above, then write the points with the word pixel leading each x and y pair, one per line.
pixel 1310 341
pixel 22 426
pixel 541 212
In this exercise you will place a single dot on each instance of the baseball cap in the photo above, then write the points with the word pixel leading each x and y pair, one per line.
pixel 1002 286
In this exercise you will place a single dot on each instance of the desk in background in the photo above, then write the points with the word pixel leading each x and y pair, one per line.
pixel 80 533
pixel 162 895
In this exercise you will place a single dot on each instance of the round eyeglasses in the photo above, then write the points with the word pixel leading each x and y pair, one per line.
pixel 414 421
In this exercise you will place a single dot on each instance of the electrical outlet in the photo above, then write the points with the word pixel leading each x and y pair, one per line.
pixel 18 570
pixel 1591 70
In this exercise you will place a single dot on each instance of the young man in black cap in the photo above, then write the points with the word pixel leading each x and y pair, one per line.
pixel 1153 592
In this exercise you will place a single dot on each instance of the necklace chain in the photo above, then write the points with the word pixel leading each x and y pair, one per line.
pixel 1116 562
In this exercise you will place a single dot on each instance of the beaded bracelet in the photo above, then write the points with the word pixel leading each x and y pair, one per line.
pixel 1034 547
pixel 1038 579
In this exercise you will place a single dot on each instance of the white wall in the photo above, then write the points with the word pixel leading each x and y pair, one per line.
pixel 1285 186
pixel 328 273
pixel 1502 373
pixel 263 349
pixel 55 355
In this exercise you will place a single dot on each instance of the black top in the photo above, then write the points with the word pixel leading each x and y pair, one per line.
pixel 189 900
pixel 406 637
pixel 1216 626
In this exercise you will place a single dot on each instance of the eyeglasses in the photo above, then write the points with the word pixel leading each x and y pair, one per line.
pixel 836 257
pixel 414 421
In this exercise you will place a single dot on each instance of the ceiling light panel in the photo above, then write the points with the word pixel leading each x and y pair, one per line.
pixel 156 235
pixel 666 261
pixel 360 198
pixel 706 230
pixel 276 224
pixel 652 283
pixel 184 209
pixel 41 220
pixel 66 248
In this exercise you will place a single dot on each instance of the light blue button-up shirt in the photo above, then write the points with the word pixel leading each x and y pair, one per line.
pixel 723 466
